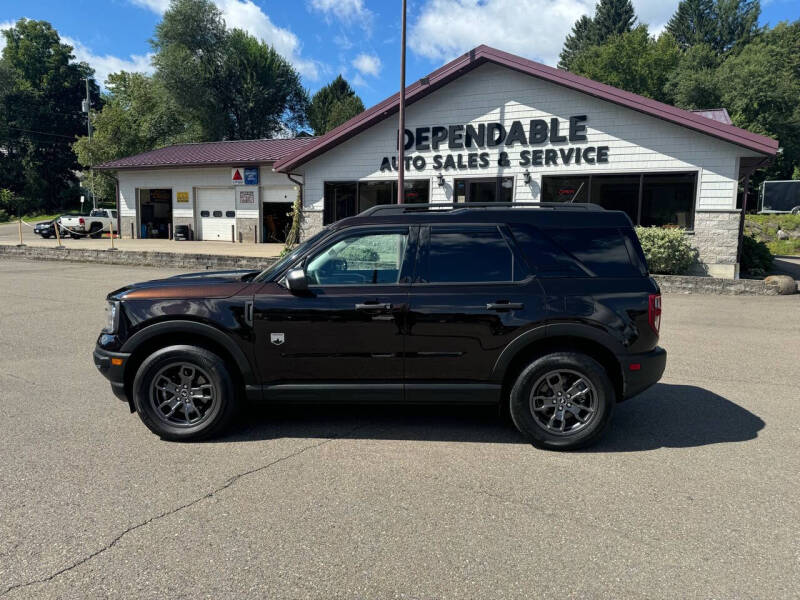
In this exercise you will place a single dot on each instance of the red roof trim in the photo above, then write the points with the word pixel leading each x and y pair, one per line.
pixel 483 54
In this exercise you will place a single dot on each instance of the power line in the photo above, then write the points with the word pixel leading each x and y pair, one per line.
pixel 69 137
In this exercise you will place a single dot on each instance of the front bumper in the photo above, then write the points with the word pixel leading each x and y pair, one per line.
pixel 636 379
pixel 112 366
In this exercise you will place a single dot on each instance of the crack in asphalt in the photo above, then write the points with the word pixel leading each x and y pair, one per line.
pixel 178 509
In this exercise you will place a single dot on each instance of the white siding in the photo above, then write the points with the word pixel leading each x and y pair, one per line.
pixel 637 142
pixel 185 180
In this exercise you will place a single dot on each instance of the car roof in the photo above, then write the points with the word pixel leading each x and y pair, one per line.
pixel 545 215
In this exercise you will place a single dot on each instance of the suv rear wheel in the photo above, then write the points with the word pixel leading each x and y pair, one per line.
pixel 562 401
pixel 184 393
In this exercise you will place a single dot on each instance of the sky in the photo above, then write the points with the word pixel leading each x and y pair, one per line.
pixel 358 38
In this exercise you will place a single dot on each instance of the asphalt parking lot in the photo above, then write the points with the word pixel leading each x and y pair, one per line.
pixel 694 492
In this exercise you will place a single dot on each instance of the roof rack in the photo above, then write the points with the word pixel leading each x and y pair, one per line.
pixel 410 208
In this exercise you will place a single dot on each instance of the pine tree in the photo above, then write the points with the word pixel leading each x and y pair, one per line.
pixel 613 17
pixel 693 23
pixel 581 38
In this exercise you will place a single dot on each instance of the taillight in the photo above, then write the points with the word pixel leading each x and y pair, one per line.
pixel 654 311
pixel 81 221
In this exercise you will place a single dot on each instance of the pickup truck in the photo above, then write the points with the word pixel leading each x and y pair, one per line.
pixel 93 224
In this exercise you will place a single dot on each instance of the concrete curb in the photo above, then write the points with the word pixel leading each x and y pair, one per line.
pixel 139 259
pixel 687 284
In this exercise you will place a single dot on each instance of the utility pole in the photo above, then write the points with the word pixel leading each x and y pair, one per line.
pixel 86 106
pixel 401 134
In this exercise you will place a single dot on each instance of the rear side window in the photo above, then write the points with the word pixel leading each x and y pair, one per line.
pixel 602 251
pixel 470 255
pixel 544 257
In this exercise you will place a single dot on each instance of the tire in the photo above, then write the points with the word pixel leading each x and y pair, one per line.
pixel 95 230
pixel 160 380
pixel 75 236
pixel 44 236
pixel 536 385
pixel 796 210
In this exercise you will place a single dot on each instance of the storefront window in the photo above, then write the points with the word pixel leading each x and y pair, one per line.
pixel 346 199
pixel 668 200
pixel 650 199
pixel 495 189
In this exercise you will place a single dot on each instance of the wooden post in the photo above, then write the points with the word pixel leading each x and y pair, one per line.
pixel 111 227
pixel 169 231
pixel 58 233
pixel 132 236
pixel 19 225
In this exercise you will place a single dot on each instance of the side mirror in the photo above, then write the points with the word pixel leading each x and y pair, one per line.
pixel 296 280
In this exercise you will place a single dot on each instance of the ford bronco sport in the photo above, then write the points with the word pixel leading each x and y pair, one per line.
pixel 545 309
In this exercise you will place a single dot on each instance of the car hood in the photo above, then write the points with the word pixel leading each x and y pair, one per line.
pixel 205 284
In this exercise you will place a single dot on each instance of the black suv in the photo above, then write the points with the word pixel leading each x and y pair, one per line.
pixel 546 309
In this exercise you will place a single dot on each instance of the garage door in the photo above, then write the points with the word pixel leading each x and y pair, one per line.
pixel 217 214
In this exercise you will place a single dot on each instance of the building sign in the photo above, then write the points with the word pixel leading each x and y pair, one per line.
pixel 251 176
pixel 183 196
pixel 247 197
pixel 237 176
pixel 538 132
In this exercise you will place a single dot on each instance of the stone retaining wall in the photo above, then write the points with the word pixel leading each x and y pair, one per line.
pixel 686 284
pixel 140 259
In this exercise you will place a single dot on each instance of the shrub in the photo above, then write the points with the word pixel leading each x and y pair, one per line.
pixel 3 216
pixel 667 250
pixel 756 256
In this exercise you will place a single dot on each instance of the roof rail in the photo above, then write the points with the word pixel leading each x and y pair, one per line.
pixel 409 208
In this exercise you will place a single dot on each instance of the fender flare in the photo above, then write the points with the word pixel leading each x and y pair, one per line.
pixel 553 330
pixel 194 328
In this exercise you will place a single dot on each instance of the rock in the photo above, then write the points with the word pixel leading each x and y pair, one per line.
pixel 786 285
pixel 782 235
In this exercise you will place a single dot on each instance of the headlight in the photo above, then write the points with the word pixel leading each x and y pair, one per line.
pixel 112 315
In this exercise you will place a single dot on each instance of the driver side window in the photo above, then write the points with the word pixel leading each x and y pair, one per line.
pixel 362 259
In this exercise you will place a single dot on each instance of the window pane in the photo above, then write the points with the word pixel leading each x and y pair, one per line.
pixel 667 200
pixel 617 192
pixel 217 213
pixel 546 258
pixel 469 255
pixel 340 201
pixel 565 189
pixel 603 251
pixel 417 191
pixel 360 260
pixel 373 193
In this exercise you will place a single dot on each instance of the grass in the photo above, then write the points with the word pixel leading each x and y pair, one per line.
pixel 765 228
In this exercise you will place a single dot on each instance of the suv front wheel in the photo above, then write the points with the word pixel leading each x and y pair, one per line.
pixel 562 401
pixel 184 393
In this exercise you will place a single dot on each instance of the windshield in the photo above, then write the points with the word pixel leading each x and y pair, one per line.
pixel 284 262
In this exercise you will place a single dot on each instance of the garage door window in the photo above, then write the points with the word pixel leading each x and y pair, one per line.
pixel 217 213
pixel 230 213
pixel 204 213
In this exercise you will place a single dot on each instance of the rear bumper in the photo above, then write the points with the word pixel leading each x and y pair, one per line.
pixel 650 369
pixel 115 373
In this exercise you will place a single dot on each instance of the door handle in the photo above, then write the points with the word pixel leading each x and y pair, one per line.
pixel 385 306
pixel 504 305
pixel 248 313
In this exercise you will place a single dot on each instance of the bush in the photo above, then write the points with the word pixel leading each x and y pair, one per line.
pixel 667 250
pixel 3 216
pixel 756 257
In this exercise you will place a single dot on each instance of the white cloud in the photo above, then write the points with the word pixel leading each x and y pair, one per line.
pixel 347 11
pixel 104 64
pixel 6 25
pixel 367 64
pixel 508 25
pixel 244 14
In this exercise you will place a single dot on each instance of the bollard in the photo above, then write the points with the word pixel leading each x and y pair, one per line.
pixel 233 231
pixel 19 225
pixel 132 224
pixel 169 230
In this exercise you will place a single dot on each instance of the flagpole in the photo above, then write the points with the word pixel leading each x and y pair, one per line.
pixel 401 133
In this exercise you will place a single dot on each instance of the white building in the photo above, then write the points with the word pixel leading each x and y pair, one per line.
pixel 491 126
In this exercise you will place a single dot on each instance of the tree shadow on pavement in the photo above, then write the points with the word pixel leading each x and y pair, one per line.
pixel 665 416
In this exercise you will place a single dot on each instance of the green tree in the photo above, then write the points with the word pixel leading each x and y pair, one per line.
pixel 332 105
pixel 264 93
pixel 613 17
pixel 737 22
pixel 581 38
pixel 633 61
pixel 138 115
pixel 693 83
pixel 41 93
pixel 229 83
pixel 693 23
pixel 760 87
